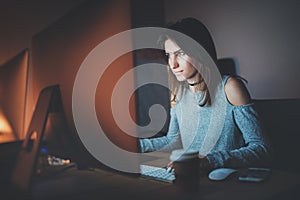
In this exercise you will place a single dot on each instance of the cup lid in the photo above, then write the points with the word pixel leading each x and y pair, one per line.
pixel 183 154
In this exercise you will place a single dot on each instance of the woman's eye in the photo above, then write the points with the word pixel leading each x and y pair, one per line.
pixel 181 53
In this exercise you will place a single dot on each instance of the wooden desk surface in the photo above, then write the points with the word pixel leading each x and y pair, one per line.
pixel 103 184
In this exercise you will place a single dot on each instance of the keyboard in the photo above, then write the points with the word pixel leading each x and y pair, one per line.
pixel 157 173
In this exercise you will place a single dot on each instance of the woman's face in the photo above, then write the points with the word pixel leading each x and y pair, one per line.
pixel 179 61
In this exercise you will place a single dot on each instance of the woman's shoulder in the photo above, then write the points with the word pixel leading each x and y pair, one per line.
pixel 236 91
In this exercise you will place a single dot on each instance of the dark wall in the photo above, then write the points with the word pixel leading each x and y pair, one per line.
pixel 149 14
pixel 262 36
pixel 20 20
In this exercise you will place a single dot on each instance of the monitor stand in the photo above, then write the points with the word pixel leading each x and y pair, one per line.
pixel 26 163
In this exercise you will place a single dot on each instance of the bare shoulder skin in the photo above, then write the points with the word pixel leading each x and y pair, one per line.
pixel 236 92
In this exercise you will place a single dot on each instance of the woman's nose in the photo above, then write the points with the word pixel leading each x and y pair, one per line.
pixel 173 62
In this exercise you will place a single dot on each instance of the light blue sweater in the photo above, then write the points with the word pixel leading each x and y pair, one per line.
pixel 230 136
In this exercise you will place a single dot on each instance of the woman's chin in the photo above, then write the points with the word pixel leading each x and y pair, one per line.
pixel 180 78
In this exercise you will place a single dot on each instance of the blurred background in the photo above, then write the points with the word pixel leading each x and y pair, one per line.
pixel 260 38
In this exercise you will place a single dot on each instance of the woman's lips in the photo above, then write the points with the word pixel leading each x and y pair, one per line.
pixel 178 72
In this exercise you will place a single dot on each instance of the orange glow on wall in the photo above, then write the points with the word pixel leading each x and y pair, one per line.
pixel 13 84
pixel 6 133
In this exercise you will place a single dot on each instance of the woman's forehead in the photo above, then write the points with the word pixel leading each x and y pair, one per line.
pixel 171 46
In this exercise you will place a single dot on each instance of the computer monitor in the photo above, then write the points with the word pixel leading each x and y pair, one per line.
pixel 13 86
pixel 57 54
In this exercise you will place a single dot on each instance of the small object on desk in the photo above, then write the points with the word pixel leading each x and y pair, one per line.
pixel 157 173
pixel 220 173
pixel 52 160
pixel 170 169
pixel 255 174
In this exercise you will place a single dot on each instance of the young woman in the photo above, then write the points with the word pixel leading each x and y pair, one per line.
pixel 209 113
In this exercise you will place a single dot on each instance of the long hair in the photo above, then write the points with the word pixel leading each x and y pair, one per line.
pixel 198 32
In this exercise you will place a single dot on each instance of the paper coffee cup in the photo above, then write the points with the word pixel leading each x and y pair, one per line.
pixel 185 163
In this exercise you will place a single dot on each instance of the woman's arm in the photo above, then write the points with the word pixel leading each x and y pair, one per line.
pixel 170 141
pixel 256 149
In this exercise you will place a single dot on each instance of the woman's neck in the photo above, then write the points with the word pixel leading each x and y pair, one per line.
pixel 196 83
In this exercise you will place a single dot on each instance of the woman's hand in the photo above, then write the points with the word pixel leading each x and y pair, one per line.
pixel 169 167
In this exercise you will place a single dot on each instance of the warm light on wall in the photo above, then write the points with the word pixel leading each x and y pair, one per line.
pixel 6 133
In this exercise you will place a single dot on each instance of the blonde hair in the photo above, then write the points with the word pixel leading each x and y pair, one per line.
pixel 198 32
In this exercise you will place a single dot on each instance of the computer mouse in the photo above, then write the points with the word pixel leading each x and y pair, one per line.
pixel 220 173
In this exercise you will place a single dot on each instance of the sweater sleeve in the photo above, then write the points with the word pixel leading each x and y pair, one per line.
pixel 170 141
pixel 256 150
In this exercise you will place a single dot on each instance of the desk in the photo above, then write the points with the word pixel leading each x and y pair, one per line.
pixel 104 184
pixel 75 184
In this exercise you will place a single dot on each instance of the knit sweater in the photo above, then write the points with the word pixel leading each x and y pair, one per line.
pixel 230 136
